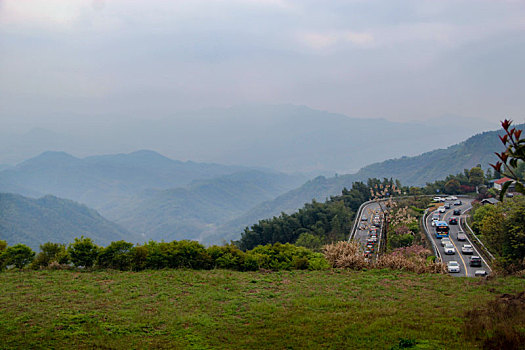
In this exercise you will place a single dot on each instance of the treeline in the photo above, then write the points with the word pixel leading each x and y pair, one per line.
pixel 125 256
pixel 502 229
pixel 313 225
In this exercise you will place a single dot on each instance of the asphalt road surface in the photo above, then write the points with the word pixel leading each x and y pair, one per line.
pixel 462 259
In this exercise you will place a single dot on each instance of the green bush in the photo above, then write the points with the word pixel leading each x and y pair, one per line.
pixel 83 252
pixel 227 257
pixel 118 255
pixel 49 253
pixel 18 255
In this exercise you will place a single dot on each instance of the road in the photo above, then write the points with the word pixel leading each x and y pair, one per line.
pixel 462 259
pixel 362 231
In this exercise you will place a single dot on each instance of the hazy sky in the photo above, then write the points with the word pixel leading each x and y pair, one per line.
pixel 400 60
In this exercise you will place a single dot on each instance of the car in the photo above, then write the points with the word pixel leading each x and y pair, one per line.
pixel 453 221
pixel 478 273
pixel 458 202
pixel 445 240
pixel 433 222
pixel 453 266
pixel 446 205
pixel 442 209
pixel 457 212
pixel 370 247
pixel 450 198
pixel 373 238
pixel 467 249
pixel 362 227
pixel 475 261
pixel 449 249
pixel 364 218
pixel 368 253
pixel 369 241
pixel 436 199
pixel 461 236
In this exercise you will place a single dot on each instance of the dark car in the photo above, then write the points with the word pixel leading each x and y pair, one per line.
pixel 453 221
pixel 457 212
pixel 475 261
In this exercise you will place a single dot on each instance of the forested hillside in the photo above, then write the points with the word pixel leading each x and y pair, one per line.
pixel 193 212
pixel 314 224
pixel 36 221
pixel 435 165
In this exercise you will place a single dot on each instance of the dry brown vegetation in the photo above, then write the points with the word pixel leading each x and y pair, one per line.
pixel 350 255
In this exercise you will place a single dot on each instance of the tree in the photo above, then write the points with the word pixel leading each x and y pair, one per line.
pixel 452 186
pixel 19 255
pixel 118 255
pixel 476 176
pixel 83 252
pixel 51 252
pixel 309 241
pixel 511 158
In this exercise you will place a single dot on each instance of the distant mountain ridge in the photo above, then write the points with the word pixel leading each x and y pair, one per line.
pixel 100 180
pixel 287 138
pixel 51 219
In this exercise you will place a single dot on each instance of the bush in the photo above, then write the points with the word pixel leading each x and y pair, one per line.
pixel 279 256
pixel 413 258
pixel 18 255
pixel 345 254
pixel 227 257
pixel 118 255
pixel 83 252
pixel 51 253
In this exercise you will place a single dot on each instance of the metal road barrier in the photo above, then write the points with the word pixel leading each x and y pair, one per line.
pixel 427 232
pixel 485 250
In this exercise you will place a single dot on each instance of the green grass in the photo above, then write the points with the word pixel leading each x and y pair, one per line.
pixel 189 309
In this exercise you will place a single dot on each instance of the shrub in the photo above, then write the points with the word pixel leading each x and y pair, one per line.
pixel 413 258
pixel 18 255
pixel 227 257
pixel 118 255
pixel 83 252
pixel 49 253
pixel 345 254
pixel 279 256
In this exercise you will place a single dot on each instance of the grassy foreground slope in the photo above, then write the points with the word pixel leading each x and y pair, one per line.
pixel 225 309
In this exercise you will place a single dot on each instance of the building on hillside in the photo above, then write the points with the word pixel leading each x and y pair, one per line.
pixel 489 201
pixel 498 184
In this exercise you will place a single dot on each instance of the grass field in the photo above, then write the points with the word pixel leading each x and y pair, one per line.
pixel 189 309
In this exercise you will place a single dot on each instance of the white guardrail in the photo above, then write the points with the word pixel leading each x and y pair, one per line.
pixel 429 237
pixel 485 250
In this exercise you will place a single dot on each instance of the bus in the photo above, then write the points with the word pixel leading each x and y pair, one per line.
pixel 441 229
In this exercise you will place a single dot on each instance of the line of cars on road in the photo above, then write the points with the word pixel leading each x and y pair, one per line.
pixel 373 232
pixel 448 247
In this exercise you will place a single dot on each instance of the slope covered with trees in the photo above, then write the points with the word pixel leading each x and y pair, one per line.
pixel 36 221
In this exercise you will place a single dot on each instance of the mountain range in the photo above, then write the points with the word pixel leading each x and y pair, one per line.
pixel 153 197
pixel 286 138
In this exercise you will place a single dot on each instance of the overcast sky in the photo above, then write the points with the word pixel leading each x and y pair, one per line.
pixel 399 60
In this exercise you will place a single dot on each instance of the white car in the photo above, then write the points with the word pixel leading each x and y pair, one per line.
pixel 437 199
pixel 442 209
pixel 449 249
pixel 445 241
pixel 467 249
pixel 453 266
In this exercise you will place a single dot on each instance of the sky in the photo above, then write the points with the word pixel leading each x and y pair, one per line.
pixel 79 60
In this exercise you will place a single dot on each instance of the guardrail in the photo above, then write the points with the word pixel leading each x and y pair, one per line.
pixel 429 237
pixel 358 219
pixel 478 241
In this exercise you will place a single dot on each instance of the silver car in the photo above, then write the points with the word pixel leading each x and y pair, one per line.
pixel 445 241
pixel 453 266
pixel 467 249
pixel 449 249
